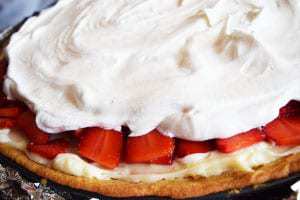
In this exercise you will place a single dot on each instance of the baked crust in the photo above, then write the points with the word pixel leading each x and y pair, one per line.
pixel 179 188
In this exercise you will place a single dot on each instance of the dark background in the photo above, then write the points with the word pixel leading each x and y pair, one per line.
pixel 13 11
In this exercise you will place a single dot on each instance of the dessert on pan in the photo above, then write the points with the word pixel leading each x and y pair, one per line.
pixel 155 98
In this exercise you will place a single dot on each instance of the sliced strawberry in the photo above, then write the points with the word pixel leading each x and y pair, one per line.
pixel 10 112
pixel 151 148
pixel 7 103
pixel 26 122
pixel 284 131
pixel 49 150
pixel 240 141
pixel 166 160
pixel 101 146
pixel 78 133
pixel 7 123
pixel 3 69
pixel 291 109
pixel 185 147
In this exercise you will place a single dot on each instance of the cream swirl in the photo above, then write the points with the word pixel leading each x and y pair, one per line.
pixel 194 69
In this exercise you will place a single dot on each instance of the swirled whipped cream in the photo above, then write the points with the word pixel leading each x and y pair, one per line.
pixel 193 69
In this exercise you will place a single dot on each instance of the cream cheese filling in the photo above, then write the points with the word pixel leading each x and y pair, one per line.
pixel 205 165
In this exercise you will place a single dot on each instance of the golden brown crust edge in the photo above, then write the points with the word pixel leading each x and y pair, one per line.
pixel 181 188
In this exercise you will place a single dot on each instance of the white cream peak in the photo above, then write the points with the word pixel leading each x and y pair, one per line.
pixel 193 69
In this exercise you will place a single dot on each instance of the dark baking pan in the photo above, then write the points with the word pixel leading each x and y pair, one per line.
pixel 274 190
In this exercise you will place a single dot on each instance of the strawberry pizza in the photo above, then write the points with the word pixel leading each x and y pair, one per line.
pixel 154 98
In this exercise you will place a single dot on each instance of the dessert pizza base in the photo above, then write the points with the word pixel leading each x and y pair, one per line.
pixel 180 188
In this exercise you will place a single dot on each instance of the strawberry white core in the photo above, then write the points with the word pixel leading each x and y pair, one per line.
pixel 195 69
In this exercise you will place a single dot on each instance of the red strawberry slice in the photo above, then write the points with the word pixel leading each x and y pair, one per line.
pixel 7 103
pixel 151 148
pixel 26 122
pixel 239 141
pixel 291 109
pixel 101 146
pixel 167 160
pixel 284 131
pixel 185 147
pixel 7 123
pixel 49 150
pixel 78 133
pixel 3 69
pixel 10 112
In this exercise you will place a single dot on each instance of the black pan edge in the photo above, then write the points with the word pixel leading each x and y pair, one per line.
pixel 272 190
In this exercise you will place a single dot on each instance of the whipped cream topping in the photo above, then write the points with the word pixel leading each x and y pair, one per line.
pixel 193 69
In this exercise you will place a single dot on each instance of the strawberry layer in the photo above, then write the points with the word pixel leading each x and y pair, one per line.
pixel 201 164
